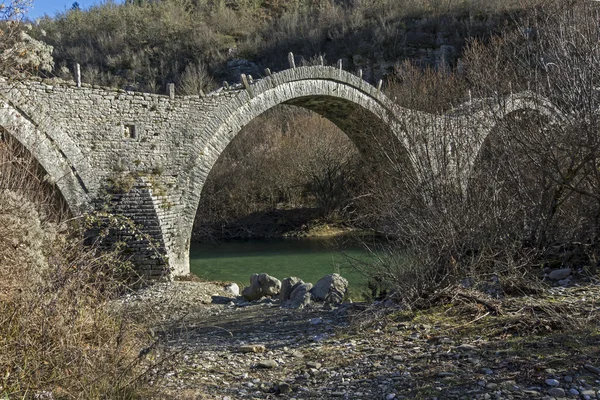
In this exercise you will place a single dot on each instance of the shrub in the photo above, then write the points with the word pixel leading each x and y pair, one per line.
pixel 57 335
pixel 532 190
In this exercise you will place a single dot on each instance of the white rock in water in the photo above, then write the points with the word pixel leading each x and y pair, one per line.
pixel 233 288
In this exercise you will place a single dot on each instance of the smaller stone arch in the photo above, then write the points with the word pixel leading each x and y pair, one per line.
pixel 487 118
pixel 49 155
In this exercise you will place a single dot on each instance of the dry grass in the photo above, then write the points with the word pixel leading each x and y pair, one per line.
pixel 460 312
pixel 56 333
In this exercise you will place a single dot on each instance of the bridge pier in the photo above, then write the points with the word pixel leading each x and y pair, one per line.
pixel 142 219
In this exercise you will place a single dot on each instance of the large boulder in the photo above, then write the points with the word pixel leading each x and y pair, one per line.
pixel 287 286
pixel 300 296
pixel 330 289
pixel 261 285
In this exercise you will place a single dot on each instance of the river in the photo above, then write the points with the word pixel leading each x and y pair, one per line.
pixel 307 258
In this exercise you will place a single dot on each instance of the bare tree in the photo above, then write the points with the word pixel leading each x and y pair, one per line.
pixel 533 191
pixel 554 54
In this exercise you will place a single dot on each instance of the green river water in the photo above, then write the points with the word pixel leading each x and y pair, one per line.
pixel 307 258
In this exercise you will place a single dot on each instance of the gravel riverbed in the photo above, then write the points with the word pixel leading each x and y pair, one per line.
pixel 354 351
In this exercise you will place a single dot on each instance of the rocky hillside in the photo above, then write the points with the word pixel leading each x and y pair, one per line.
pixel 147 44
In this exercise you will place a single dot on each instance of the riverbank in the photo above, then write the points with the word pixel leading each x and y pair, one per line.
pixel 277 223
pixel 309 258
pixel 472 346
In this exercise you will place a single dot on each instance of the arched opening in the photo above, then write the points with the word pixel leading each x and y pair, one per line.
pixel 285 170
pixel 23 176
pixel 47 151
pixel 529 181
pixel 364 114
pixel 21 173
pixel 281 198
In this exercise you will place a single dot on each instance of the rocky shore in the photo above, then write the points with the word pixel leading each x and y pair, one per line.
pixel 463 350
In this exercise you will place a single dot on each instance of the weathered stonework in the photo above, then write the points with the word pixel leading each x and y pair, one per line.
pixel 90 140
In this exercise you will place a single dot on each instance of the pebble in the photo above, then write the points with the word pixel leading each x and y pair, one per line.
pixel 252 348
pixel 557 392
pixel 283 388
pixel 532 393
pixel 592 369
pixel 267 364
pixel 559 274
pixel 390 396
pixel 552 382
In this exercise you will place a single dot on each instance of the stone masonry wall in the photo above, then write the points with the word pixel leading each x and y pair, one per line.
pixel 147 156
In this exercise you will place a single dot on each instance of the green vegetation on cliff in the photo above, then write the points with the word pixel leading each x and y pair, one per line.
pixel 145 45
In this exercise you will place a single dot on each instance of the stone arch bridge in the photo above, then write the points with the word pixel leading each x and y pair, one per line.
pixel 147 156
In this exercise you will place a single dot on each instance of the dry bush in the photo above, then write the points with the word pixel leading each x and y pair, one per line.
pixel 554 54
pixel 196 80
pixel 439 234
pixel 57 336
pixel 532 196
pixel 17 49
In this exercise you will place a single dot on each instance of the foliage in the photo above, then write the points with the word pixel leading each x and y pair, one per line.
pixel 12 48
pixel 532 194
pixel 145 45
pixel 57 336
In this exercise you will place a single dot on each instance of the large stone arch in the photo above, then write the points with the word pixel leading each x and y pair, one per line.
pixel 49 155
pixel 348 101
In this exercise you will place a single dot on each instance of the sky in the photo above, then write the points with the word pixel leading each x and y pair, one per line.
pixel 51 7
